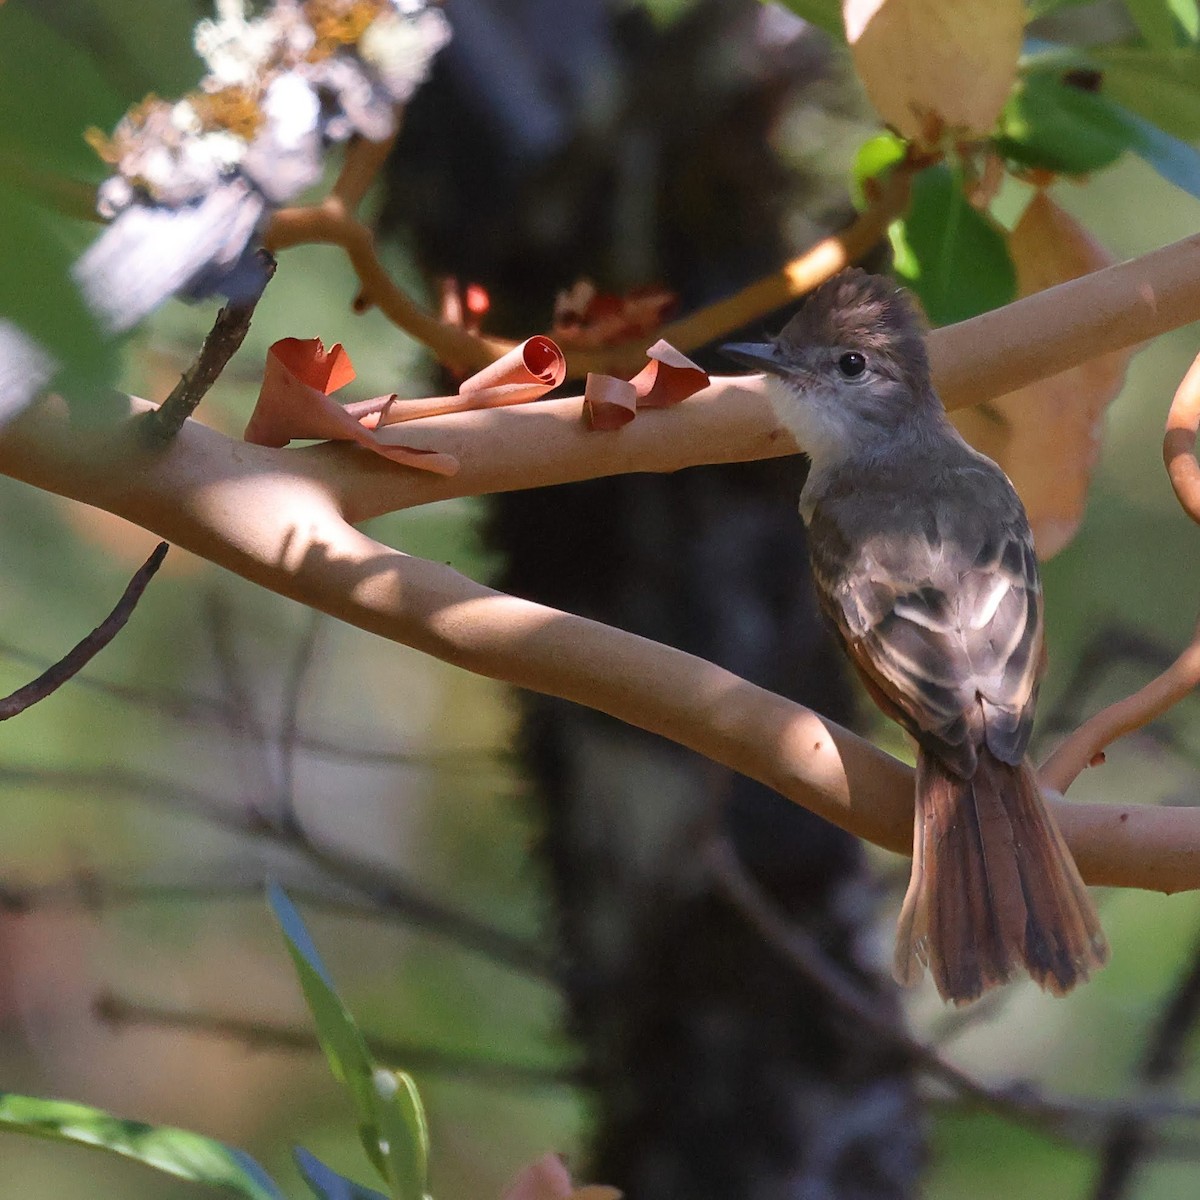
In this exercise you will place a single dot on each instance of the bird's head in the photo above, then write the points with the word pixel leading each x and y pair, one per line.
pixel 849 369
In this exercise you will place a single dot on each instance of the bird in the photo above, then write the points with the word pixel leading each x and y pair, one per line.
pixel 923 561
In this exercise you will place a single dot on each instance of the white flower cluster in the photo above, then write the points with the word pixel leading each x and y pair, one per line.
pixel 280 86
pixel 195 181
pixel 163 152
pixel 240 51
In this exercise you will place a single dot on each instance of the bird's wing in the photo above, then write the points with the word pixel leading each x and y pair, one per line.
pixel 940 608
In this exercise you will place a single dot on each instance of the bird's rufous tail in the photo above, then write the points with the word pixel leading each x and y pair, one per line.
pixel 994 891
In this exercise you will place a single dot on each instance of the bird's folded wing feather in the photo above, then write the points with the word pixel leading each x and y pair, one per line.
pixel 942 615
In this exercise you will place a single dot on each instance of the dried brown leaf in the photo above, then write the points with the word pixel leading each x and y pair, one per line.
pixel 586 318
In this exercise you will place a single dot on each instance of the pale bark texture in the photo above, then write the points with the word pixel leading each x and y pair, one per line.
pixel 719 1071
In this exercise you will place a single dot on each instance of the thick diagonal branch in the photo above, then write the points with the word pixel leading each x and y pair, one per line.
pixel 284 519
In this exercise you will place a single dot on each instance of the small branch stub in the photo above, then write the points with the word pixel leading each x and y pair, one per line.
pixel 226 336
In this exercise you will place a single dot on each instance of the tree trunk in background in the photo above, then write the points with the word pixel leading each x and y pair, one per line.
pixel 596 144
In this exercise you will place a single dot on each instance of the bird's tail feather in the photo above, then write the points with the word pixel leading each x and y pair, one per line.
pixel 994 891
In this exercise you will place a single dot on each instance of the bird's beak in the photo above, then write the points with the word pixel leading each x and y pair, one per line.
pixel 758 356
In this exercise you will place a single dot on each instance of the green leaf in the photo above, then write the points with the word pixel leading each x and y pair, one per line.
pixel 824 14
pixel 1052 124
pixel 1187 13
pixel 405 1132
pixel 1155 22
pixel 1161 85
pixel 326 1183
pixel 392 1124
pixel 38 294
pixel 173 1151
pixel 343 1044
pixel 875 157
pixel 1163 24
pixel 952 256
pixel 43 119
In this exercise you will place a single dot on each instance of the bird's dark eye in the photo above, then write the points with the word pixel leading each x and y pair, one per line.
pixel 852 364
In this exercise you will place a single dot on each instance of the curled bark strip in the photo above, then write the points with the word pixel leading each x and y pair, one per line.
pixel 608 403
pixel 667 378
pixel 1179 442
pixel 527 372
pixel 536 362
pixel 294 402
pixel 54 677
pixel 285 522
pixel 331 222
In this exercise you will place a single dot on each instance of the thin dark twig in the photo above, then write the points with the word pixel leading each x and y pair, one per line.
pixel 239 712
pixel 956 1021
pixel 226 336
pixel 124 784
pixel 174 702
pixel 1069 1119
pixel 91 891
pixel 1129 1141
pixel 389 891
pixel 386 889
pixel 805 953
pixel 1110 648
pixel 205 710
pixel 1113 647
pixel 242 720
pixel 293 690
pixel 409 1056
pixel 55 676
pixel 454 762
pixel 382 887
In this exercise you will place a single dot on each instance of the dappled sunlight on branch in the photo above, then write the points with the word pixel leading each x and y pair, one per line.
pixel 281 519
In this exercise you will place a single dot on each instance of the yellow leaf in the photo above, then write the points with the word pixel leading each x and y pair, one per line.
pixel 1047 436
pixel 936 69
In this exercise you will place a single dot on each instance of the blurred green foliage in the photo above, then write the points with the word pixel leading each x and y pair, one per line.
pixel 460 831
pixel 391 1119
pixel 392 1125
pixel 173 1151
pixel 953 256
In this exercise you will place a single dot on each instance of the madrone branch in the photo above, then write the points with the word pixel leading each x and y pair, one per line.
pixel 285 519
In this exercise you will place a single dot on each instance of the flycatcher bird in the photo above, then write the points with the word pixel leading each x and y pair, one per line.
pixel 923 560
